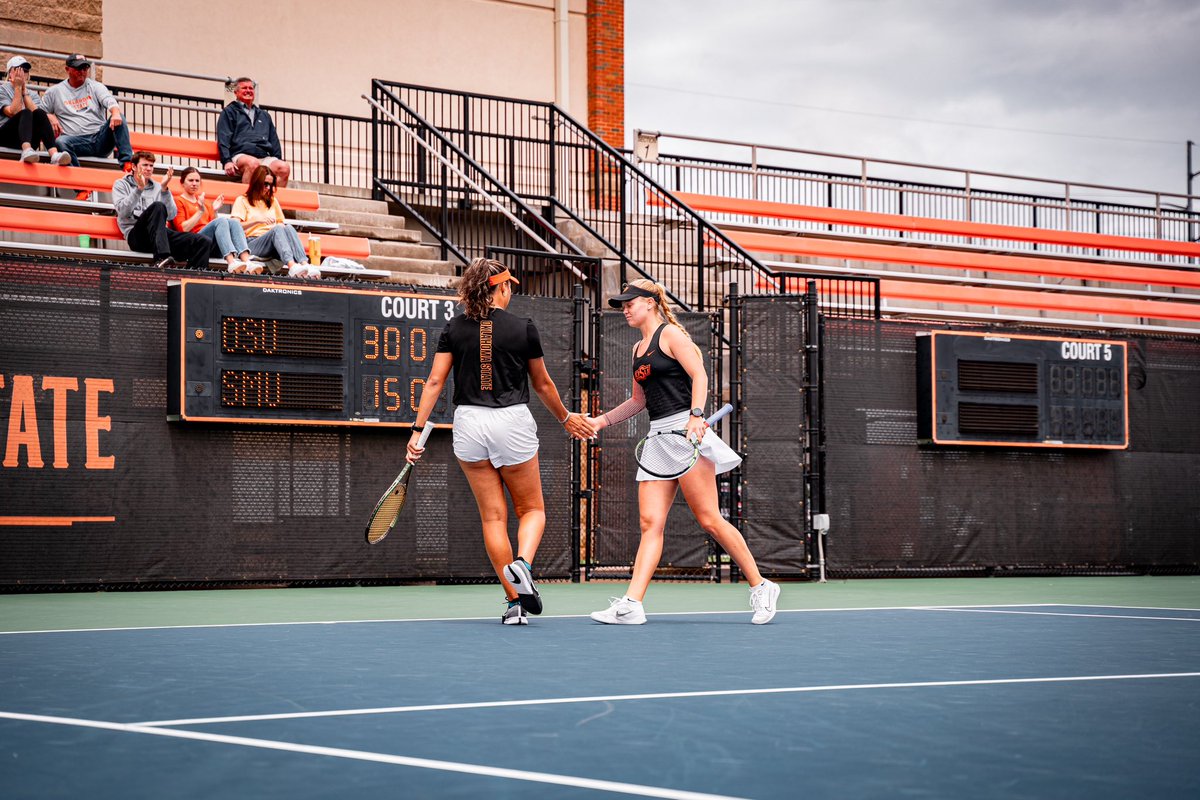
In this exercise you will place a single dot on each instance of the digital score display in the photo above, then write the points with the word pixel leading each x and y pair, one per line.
pixel 1032 391
pixel 247 352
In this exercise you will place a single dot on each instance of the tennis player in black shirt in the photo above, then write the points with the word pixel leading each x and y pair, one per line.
pixel 495 357
pixel 670 382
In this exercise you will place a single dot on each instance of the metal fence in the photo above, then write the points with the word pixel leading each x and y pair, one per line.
pixel 1006 200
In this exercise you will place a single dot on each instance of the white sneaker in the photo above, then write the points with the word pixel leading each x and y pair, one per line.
pixel 621 611
pixel 61 159
pixel 30 156
pixel 762 600
pixel 237 267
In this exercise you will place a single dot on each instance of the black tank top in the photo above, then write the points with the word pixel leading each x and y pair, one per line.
pixel 667 387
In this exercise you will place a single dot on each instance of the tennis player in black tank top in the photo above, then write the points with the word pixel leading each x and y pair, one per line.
pixel 670 382
pixel 496 356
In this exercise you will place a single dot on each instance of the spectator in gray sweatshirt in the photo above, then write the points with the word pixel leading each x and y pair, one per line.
pixel 86 117
pixel 143 207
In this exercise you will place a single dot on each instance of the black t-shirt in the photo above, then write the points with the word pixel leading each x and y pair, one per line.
pixel 666 384
pixel 491 358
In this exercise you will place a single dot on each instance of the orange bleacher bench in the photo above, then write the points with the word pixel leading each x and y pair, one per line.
pixel 175 146
pixel 912 290
pixel 975 230
pixel 67 223
pixel 101 180
pixel 951 259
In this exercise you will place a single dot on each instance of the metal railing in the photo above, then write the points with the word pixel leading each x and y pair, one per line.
pixel 321 147
pixel 468 211
pixel 823 179
pixel 548 159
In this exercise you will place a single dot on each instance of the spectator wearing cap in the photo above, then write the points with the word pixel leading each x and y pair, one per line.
pixel 246 137
pixel 23 124
pixel 86 117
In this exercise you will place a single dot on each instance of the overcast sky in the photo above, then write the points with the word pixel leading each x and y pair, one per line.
pixel 1098 91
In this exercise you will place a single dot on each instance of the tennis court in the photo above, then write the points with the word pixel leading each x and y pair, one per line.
pixel 1071 687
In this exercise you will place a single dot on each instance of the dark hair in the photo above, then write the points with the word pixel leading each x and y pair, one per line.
pixel 257 191
pixel 187 171
pixel 143 155
pixel 474 291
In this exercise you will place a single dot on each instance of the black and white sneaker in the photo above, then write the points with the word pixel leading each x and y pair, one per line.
pixel 514 615
pixel 518 574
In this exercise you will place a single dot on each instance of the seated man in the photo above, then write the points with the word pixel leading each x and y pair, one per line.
pixel 246 137
pixel 144 206
pixel 85 116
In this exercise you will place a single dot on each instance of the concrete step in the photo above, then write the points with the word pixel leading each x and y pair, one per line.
pixel 416 265
pixel 405 250
pixel 418 279
pixel 335 202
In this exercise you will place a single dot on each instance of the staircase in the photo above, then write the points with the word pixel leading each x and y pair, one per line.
pixel 394 246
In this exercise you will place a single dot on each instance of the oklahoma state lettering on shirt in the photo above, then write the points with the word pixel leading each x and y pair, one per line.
pixel 485 355
pixel 491 358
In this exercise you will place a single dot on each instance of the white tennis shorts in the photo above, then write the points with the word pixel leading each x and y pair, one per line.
pixel 504 436
pixel 712 446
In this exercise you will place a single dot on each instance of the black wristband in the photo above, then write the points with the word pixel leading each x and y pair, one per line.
pixel 418 428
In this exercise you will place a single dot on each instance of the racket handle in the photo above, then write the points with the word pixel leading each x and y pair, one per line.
pixel 425 435
pixel 721 413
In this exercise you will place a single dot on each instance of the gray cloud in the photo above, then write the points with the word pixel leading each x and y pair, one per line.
pixel 1099 91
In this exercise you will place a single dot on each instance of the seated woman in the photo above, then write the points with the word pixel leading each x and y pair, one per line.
pixel 271 237
pixel 22 123
pixel 197 215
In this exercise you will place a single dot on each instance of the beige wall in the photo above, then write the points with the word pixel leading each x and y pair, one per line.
pixel 321 55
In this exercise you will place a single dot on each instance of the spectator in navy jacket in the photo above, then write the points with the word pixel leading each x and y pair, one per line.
pixel 246 137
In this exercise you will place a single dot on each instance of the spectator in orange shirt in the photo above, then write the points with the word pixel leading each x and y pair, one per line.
pixel 198 215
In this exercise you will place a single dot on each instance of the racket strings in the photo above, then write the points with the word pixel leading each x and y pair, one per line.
pixel 666 454
pixel 386 516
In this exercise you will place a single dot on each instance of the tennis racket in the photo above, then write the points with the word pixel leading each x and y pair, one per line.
pixel 387 510
pixel 670 454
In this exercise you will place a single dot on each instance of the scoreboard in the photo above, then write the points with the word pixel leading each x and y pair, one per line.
pixel 249 352
pixel 1030 391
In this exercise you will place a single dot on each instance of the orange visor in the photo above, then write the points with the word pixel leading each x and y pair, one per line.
pixel 501 277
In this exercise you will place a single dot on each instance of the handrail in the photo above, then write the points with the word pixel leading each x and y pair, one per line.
pixel 755 147
pixel 592 185
pixel 226 80
pixel 475 185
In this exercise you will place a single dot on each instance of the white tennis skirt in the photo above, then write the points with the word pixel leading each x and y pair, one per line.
pixel 712 446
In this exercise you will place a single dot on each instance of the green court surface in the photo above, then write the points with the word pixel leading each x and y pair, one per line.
pixel 255 606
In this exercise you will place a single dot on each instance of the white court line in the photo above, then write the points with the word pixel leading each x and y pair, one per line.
pixel 581 616
pixel 382 758
pixel 493 617
pixel 664 695
pixel 1061 614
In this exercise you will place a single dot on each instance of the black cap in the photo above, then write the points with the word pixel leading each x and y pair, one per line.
pixel 630 291
pixel 78 61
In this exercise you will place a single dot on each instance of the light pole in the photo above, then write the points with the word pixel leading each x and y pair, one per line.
pixel 1190 177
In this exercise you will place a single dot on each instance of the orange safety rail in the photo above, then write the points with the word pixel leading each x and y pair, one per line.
pixel 900 222
pixel 101 180
pixel 901 289
pixel 68 223
pixel 175 146
pixel 956 259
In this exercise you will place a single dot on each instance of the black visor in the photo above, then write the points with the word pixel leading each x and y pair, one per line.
pixel 629 293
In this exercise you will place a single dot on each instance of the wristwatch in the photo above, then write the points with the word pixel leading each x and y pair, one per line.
pixel 697 412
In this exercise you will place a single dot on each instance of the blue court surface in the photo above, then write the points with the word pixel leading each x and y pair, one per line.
pixel 940 702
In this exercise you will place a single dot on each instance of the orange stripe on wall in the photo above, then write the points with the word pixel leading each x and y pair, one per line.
pixel 50 522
